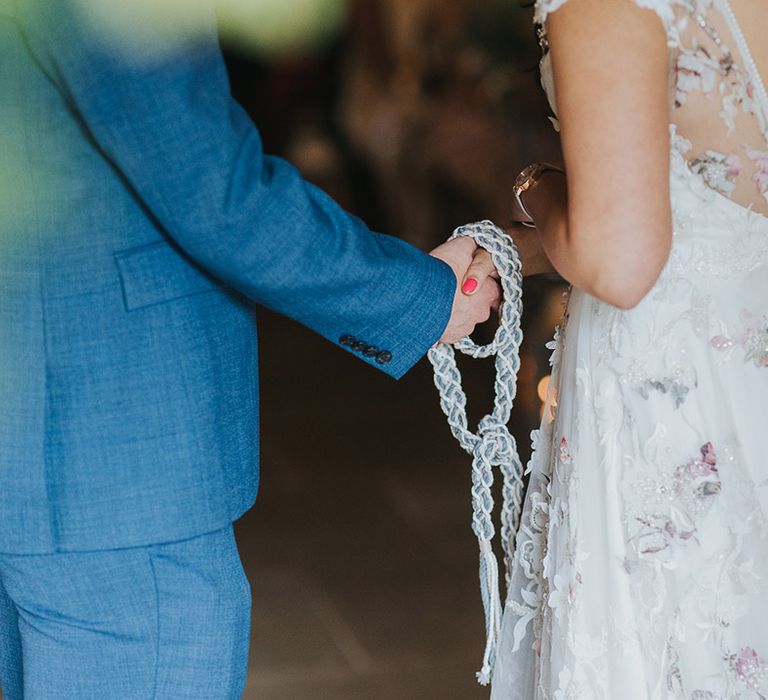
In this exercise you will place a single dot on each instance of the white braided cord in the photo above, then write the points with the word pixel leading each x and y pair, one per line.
pixel 493 445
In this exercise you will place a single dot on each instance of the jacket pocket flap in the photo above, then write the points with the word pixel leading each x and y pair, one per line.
pixel 156 273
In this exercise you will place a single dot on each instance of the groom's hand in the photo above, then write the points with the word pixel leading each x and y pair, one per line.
pixel 533 258
pixel 468 309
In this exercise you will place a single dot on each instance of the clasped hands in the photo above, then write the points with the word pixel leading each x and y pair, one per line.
pixel 478 292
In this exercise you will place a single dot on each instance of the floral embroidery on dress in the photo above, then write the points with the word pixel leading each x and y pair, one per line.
pixel 753 339
pixel 530 558
pixel 697 481
pixel 718 170
pixel 760 177
pixel 674 676
pixel 675 388
pixel 705 65
pixel 741 96
pixel 697 70
pixel 573 683
pixel 563 594
pixel 756 347
pixel 721 343
pixel 693 486
pixel 750 670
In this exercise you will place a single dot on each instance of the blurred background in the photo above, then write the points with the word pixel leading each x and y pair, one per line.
pixel 416 115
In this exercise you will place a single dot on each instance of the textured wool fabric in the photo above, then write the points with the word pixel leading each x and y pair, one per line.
pixel 146 221
pixel 165 621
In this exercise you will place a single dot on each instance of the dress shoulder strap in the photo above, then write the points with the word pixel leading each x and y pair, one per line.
pixel 663 8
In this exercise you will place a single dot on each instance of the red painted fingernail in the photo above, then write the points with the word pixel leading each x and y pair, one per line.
pixel 469 286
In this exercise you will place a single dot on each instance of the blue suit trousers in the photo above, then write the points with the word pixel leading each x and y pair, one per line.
pixel 164 621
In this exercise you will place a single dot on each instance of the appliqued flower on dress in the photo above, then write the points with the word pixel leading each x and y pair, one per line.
pixel 674 677
pixel 531 559
pixel 756 346
pixel 573 683
pixel 697 481
pixel 760 158
pixel 705 65
pixel 741 96
pixel 718 170
pixel 563 594
pixel 675 388
pixel 753 339
pixel 692 487
pixel 696 71
pixel 565 453
pixel 721 343
pixel 750 670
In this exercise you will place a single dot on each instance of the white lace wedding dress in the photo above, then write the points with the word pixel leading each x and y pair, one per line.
pixel 641 568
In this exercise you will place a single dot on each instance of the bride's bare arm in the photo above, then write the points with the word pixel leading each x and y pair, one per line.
pixel 609 230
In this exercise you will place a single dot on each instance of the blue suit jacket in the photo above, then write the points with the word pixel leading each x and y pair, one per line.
pixel 140 220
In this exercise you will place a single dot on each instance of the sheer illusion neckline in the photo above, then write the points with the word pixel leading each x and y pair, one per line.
pixel 748 58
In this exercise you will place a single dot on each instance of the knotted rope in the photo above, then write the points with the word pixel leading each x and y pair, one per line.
pixel 493 445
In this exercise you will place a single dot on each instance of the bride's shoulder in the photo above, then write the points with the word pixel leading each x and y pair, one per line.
pixel 665 9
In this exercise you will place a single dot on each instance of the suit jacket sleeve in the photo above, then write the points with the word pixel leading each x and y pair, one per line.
pixel 167 122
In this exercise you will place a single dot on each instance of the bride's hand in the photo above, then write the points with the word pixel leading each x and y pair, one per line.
pixel 534 259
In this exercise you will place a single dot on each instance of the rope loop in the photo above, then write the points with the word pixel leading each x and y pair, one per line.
pixel 493 446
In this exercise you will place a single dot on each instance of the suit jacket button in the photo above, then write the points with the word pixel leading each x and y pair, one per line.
pixel 347 340
pixel 371 351
pixel 359 346
pixel 384 357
